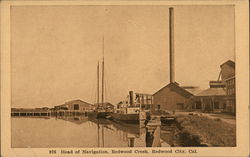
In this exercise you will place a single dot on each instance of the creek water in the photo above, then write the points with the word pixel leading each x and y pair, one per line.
pixel 31 132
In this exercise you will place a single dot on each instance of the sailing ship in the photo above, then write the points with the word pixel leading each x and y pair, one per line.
pixel 101 111
pixel 129 111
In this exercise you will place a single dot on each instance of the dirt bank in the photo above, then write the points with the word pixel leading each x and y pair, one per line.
pixel 197 130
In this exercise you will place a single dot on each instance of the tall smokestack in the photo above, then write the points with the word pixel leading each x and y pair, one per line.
pixel 171 44
pixel 131 98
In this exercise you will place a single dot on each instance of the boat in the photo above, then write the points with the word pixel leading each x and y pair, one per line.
pixel 168 119
pixel 100 111
pixel 129 112
pixel 126 117
pixel 99 114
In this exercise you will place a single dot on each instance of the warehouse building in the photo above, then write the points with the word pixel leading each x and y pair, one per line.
pixel 78 105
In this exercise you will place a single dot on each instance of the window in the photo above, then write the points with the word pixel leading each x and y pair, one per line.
pixel 158 106
pixel 193 106
pixel 76 106
pixel 198 105
pixel 224 106
pixel 180 106
pixel 148 107
pixel 216 105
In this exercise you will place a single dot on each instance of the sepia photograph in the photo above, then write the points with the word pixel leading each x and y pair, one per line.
pixel 123 76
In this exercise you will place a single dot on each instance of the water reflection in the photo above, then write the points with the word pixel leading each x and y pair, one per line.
pixel 127 132
pixel 77 120
pixel 82 131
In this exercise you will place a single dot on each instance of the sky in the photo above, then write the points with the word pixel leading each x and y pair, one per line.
pixel 55 50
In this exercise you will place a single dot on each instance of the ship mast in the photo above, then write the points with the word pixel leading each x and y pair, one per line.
pixel 102 86
pixel 102 71
pixel 98 138
pixel 98 84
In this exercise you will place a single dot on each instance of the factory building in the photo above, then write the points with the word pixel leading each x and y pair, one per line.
pixel 171 97
pixel 220 97
pixel 228 78
pixel 227 70
pixel 210 100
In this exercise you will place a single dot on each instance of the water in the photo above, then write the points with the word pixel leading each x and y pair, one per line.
pixel 79 132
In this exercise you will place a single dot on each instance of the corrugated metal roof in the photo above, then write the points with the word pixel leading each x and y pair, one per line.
pixel 77 100
pixel 194 91
pixel 175 87
pixel 212 92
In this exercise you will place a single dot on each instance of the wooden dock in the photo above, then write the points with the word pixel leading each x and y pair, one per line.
pixel 40 112
pixel 153 132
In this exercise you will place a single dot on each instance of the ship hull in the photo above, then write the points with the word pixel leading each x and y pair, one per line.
pixel 126 118
pixel 99 114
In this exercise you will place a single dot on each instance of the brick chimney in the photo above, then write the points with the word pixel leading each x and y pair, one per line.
pixel 171 45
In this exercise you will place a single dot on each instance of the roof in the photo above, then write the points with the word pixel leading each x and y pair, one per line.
pixel 175 87
pixel 216 84
pixel 194 91
pixel 76 100
pixel 212 92
pixel 230 63
pixel 72 101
